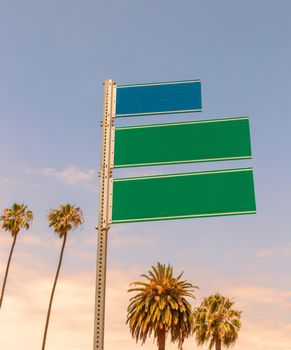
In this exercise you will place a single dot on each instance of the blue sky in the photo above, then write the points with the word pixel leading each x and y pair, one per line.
pixel 54 58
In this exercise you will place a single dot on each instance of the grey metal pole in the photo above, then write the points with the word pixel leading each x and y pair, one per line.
pixel 105 209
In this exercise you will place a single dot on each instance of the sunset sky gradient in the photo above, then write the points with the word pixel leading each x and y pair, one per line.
pixel 54 58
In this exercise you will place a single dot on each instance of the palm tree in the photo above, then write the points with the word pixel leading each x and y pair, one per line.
pixel 13 220
pixel 62 220
pixel 160 307
pixel 217 322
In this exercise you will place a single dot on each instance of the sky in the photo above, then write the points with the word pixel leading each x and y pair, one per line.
pixel 54 58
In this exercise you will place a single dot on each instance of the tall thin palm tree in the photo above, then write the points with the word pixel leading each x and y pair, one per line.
pixel 13 220
pixel 160 307
pixel 216 322
pixel 62 220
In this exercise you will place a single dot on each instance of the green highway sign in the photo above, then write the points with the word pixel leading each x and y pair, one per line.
pixel 187 195
pixel 185 142
pixel 158 98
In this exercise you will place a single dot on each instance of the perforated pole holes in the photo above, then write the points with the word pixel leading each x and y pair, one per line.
pixel 105 208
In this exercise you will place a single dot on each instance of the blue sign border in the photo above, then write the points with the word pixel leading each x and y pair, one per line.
pixel 158 98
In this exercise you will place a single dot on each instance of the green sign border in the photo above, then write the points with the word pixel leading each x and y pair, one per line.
pixel 118 129
pixel 249 169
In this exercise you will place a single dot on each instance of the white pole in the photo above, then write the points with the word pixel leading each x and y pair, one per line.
pixel 105 209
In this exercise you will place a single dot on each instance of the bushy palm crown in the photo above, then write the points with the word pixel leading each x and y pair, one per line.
pixel 160 306
pixel 216 320
pixel 65 218
pixel 16 218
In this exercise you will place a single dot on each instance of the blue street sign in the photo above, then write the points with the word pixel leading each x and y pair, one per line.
pixel 158 98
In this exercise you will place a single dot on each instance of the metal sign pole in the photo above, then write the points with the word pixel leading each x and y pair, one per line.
pixel 105 209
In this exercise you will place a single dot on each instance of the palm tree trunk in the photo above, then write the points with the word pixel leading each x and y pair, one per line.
pixel 52 293
pixel 7 269
pixel 218 344
pixel 161 339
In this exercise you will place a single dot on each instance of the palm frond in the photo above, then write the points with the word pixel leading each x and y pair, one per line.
pixel 16 218
pixel 216 320
pixel 67 217
pixel 160 305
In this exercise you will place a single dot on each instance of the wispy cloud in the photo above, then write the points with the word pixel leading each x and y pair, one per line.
pixel 70 175
pixel 284 250
pixel 25 239
pixel 24 311
pixel 261 295
pixel 71 326
pixel 118 239
pixel 4 180
pixel 26 299
pixel 270 334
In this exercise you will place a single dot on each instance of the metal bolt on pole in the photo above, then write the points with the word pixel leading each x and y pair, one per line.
pixel 105 209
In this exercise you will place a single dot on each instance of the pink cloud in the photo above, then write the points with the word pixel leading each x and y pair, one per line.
pixel 70 175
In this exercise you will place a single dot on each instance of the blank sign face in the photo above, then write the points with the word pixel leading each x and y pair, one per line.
pixel 180 196
pixel 158 98
pixel 197 141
